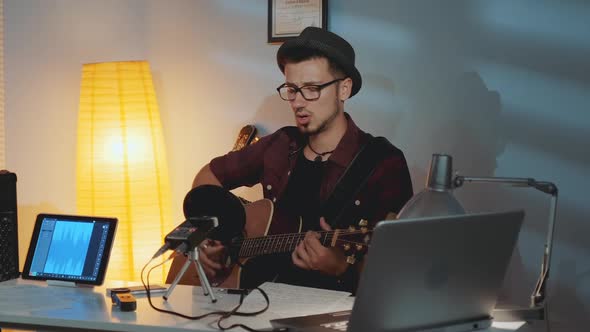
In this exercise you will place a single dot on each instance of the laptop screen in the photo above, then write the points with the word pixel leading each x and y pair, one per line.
pixel 70 248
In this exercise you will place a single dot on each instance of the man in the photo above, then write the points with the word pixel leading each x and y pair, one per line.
pixel 300 166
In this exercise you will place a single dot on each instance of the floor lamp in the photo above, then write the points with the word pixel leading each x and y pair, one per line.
pixel 121 161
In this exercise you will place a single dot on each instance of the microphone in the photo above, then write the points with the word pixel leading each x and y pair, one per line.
pixel 188 235
pixel 211 212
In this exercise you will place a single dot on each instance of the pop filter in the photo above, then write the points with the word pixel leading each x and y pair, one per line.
pixel 214 201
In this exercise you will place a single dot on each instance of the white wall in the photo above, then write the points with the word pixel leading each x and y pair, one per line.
pixel 46 44
pixel 501 86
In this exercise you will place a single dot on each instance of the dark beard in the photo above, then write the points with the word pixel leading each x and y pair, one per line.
pixel 324 123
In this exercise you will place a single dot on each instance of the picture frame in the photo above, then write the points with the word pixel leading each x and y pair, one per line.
pixel 287 18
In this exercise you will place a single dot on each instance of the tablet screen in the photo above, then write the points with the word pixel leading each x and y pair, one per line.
pixel 70 248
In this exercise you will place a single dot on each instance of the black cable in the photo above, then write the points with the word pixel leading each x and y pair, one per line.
pixel 235 312
pixel 149 297
pixel 223 314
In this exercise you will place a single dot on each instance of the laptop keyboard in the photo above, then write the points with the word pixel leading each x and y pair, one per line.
pixel 336 326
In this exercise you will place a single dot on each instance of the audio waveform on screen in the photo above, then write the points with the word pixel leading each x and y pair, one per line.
pixel 69 247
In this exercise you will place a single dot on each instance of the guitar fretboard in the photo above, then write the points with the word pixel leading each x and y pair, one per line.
pixel 284 243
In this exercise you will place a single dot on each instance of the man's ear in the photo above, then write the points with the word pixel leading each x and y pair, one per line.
pixel 345 89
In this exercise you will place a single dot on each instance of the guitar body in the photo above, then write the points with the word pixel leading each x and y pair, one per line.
pixel 258 220
pixel 258 269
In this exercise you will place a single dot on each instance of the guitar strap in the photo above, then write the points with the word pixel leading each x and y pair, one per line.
pixel 353 179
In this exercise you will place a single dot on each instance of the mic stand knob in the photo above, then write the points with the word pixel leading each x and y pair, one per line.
pixel 193 257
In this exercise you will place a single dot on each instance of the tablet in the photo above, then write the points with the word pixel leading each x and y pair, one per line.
pixel 68 248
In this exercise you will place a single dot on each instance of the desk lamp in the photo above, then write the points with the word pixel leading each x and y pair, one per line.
pixel 437 199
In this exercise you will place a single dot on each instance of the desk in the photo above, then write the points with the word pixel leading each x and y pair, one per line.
pixel 81 308
pixel 89 309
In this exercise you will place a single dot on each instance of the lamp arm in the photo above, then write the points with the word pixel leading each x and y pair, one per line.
pixel 539 292
pixel 550 188
pixel 546 187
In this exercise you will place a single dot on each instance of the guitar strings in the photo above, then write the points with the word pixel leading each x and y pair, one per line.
pixel 295 235
pixel 327 233
pixel 259 245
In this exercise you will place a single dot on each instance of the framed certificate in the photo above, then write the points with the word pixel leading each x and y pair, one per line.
pixel 287 18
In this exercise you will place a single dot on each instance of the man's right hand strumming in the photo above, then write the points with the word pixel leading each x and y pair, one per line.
pixel 213 257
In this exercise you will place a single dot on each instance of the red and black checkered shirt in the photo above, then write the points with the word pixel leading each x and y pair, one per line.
pixel 272 159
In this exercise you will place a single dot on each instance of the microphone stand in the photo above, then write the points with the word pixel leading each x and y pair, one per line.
pixel 192 257
pixel 537 309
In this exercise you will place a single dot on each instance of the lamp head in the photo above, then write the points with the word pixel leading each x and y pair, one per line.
pixel 436 199
pixel 441 168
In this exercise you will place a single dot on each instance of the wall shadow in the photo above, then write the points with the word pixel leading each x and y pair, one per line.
pixel 423 46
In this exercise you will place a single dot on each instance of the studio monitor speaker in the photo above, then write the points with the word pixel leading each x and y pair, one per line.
pixel 9 265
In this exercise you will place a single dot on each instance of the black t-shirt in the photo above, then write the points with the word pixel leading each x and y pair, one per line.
pixel 302 199
pixel 302 195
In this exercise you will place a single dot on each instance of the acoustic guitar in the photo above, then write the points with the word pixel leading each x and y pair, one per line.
pixel 256 242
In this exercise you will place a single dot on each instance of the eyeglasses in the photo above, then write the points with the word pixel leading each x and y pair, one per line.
pixel 309 92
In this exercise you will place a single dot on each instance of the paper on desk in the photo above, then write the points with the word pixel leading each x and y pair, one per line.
pixel 290 301
pixel 14 298
pixel 507 326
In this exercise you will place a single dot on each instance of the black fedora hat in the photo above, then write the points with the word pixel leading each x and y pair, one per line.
pixel 329 44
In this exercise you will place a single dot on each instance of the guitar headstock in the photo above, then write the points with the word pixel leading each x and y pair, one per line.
pixel 354 241
pixel 246 137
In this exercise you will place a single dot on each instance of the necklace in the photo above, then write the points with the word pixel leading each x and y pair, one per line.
pixel 319 155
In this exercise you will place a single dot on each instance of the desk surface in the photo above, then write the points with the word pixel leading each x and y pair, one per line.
pixel 34 305
pixel 55 307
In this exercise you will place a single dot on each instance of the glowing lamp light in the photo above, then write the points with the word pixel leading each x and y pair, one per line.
pixel 121 161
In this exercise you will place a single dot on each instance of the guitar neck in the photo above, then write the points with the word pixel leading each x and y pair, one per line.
pixel 277 244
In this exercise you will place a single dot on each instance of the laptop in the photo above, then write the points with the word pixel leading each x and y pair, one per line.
pixel 427 274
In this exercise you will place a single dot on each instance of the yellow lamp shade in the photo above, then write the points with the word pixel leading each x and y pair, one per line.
pixel 121 161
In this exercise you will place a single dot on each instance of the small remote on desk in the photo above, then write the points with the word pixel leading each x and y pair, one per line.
pixel 122 298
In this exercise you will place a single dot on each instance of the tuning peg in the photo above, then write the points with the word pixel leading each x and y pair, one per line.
pixel 351 228
pixel 346 246
pixel 350 259
pixel 363 223
pixel 359 247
